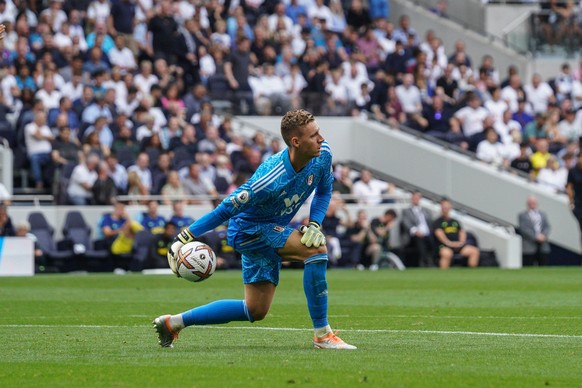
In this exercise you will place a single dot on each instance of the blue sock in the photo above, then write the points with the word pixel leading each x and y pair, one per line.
pixel 220 311
pixel 315 288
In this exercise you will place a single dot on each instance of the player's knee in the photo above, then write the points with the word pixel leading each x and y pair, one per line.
pixel 258 313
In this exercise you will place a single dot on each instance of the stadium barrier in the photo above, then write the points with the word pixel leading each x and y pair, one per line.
pixel 16 256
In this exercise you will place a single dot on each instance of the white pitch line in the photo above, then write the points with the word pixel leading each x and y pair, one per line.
pixel 377 331
pixel 417 316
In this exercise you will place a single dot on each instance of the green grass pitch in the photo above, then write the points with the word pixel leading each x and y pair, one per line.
pixel 415 328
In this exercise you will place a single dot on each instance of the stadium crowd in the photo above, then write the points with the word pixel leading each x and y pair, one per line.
pixel 104 98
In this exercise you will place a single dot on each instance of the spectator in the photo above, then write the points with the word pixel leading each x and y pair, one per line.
pixel 570 127
pixel 523 162
pixel 539 94
pixel 539 159
pixel 471 118
pixel 179 218
pixel 164 31
pixel 160 243
pixel 369 191
pixel 417 231
pixel 452 239
pixel 104 189
pixel 522 116
pixel 135 187
pixel 362 242
pixel 82 180
pixel 104 134
pixel 409 96
pixel 343 182
pixel 535 129
pixel 6 226
pixel 38 138
pixel 151 220
pixel 172 188
pixel 332 225
pixel 197 185
pixel 447 86
pixel 381 228
pixel 121 55
pixel 40 262
pixel 436 119
pixel 141 168
pixel 117 172
pixel 236 70
pixel 534 229
pixel 491 150
pixel 66 149
pixel 553 176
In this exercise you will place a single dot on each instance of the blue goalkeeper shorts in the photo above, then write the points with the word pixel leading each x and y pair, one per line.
pixel 258 245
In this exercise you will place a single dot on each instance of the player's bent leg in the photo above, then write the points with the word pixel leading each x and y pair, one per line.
pixel 221 311
pixel 258 298
pixel 315 288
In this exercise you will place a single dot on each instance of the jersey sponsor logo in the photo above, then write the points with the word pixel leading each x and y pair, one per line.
pixel 291 203
pixel 279 228
pixel 310 180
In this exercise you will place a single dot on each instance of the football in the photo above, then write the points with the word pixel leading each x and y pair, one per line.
pixel 195 261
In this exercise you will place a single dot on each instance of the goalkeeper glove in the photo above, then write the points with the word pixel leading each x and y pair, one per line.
pixel 179 241
pixel 312 235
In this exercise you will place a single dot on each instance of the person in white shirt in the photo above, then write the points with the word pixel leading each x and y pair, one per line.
pixel 472 116
pixel 54 14
pixel 338 94
pixel 141 167
pixel 121 55
pixel 269 92
pixel 571 126
pixel 82 180
pixel 368 191
pixel 409 95
pixel 490 150
pixel 279 14
pixel 98 11
pixel 539 94
pixel 506 126
pixel 294 84
pixel 145 79
pixel 512 93
pixel 496 106
pixel 320 11
pixel 48 95
pixel 38 138
pixel 63 38
pixel 553 176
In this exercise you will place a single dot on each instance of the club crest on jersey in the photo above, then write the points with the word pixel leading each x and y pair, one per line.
pixel 278 228
pixel 310 180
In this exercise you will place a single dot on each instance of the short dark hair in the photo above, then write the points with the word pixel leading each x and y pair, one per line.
pixel 390 212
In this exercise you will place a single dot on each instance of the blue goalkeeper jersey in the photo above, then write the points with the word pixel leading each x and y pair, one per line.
pixel 275 193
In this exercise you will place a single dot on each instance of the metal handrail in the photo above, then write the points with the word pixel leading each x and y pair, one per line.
pixel 36 199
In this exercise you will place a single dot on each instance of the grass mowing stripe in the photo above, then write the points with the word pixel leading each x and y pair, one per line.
pixel 536 335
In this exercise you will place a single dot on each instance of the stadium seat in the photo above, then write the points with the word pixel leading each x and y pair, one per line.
pixel 63 259
pixel 77 235
pixel 141 250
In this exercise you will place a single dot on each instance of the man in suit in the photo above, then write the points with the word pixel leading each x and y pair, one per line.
pixel 416 230
pixel 534 228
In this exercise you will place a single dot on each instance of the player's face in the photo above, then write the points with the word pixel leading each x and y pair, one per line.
pixel 310 140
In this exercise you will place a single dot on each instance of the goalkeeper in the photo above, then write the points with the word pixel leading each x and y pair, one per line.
pixel 259 212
